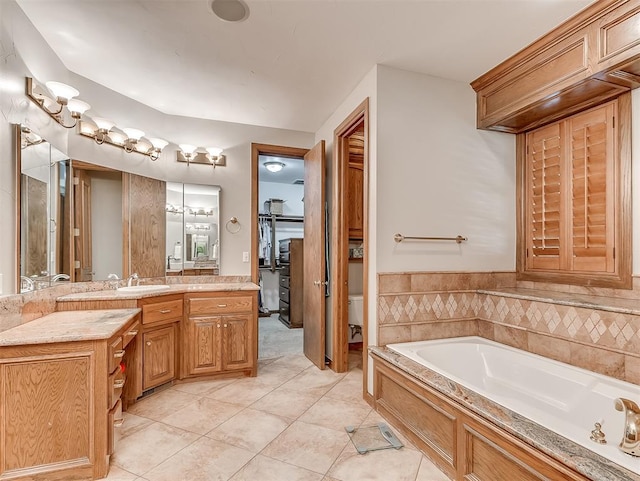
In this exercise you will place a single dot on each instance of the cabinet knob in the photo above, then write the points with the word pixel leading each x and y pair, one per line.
pixel 225 325
pixel 148 343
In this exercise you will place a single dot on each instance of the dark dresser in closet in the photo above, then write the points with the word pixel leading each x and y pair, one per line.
pixel 291 289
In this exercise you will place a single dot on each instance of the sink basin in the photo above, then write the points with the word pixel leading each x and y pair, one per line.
pixel 140 289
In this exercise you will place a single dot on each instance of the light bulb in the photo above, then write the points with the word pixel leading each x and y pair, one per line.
pixel 158 144
pixel 214 151
pixel 77 107
pixel 103 124
pixel 188 149
pixel 274 166
pixel 62 91
pixel 133 134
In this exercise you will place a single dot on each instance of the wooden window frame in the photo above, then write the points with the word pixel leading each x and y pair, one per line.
pixel 621 277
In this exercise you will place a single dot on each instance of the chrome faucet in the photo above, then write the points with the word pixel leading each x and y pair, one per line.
pixel 113 280
pixel 60 277
pixel 630 443
pixel 131 278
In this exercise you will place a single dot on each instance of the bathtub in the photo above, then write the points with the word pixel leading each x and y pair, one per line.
pixel 560 397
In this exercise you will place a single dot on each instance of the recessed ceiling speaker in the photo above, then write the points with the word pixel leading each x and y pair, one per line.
pixel 230 10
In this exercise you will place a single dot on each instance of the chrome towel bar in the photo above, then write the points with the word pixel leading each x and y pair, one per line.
pixel 458 239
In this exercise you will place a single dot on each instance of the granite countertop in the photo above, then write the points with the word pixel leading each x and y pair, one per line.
pixel 582 460
pixel 69 326
pixel 114 294
pixel 612 304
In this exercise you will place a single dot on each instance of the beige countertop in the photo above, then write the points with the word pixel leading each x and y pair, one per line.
pixel 69 326
pixel 114 294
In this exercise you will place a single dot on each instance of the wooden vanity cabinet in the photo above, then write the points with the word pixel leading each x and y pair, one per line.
pixel 219 333
pixel 161 317
pixel 60 404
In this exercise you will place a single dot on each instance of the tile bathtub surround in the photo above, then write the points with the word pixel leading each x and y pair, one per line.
pixel 164 436
pixel 567 326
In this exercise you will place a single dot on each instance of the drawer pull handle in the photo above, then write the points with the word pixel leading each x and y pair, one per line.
pixel 132 333
pixel 118 354
pixel 118 384
pixel 165 311
pixel 118 422
pixel 148 343
pixel 222 305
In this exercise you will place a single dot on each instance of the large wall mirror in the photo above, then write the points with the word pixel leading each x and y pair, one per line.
pixel 193 229
pixel 84 222
pixel 44 223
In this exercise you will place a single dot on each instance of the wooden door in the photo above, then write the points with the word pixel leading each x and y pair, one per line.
pixel 158 356
pixel 203 348
pixel 237 343
pixel 82 226
pixel 314 255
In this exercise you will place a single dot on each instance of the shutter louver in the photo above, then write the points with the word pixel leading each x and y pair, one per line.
pixel 545 195
pixel 592 142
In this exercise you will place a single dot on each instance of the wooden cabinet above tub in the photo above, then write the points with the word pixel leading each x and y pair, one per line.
pixel 61 393
pixel 592 57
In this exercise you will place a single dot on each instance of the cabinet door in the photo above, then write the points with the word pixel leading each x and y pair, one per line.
pixel 355 193
pixel 238 341
pixel 159 356
pixel 203 345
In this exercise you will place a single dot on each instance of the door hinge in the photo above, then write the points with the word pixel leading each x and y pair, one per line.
pixel 614 122
pixel 77 264
pixel 76 232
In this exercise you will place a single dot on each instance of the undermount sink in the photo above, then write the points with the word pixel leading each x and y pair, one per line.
pixel 149 288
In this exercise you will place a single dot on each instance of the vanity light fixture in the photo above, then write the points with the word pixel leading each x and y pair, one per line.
pixel 130 140
pixel 57 100
pixel 273 166
pixel 213 156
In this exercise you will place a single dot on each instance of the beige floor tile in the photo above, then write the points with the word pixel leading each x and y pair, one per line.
pixel 149 447
pixel 262 468
pixel 429 472
pixel 308 446
pixel 203 387
pixel 202 416
pixel 397 464
pixel 285 402
pixel 160 405
pixel 206 460
pixel 132 424
pixel 242 393
pixel 315 381
pixel 250 429
pixel 296 362
pixel 336 414
pixel 349 388
pixel 116 473
pixel 275 374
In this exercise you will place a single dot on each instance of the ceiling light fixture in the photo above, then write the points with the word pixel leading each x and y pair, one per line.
pixel 230 10
pixel 273 166
pixel 57 100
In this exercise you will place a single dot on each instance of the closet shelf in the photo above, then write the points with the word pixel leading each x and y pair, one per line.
pixel 282 218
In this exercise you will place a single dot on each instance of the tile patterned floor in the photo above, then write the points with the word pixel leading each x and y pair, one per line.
pixel 287 424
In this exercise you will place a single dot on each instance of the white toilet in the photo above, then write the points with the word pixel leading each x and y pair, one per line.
pixel 355 318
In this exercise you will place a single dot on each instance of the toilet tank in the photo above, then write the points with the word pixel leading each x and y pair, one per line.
pixel 355 310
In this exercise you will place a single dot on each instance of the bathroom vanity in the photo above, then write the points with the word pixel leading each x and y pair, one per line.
pixel 66 378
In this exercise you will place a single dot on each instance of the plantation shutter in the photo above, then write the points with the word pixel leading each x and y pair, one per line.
pixel 545 197
pixel 592 187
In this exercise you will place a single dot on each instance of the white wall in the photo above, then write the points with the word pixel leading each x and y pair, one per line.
pixel 25 53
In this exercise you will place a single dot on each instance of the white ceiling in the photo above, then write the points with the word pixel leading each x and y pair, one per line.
pixel 292 171
pixel 292 62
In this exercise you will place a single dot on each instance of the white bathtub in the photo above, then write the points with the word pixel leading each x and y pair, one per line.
pixel 558 396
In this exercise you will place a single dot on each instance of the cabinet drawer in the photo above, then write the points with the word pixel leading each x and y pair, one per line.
pixel 220 305
pixel 116 384
pixel 116 353
pixel 115 420
pixel 161 311
pixel 284 281
pixel 284 294
pixel 284 312
pixel 128 336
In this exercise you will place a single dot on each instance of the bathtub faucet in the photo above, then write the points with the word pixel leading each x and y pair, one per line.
pixel 630 443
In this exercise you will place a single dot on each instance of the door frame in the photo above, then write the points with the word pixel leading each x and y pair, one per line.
pixel 340 240
pixel 256 151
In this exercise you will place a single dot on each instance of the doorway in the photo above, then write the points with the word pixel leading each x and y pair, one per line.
pixel 282 252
